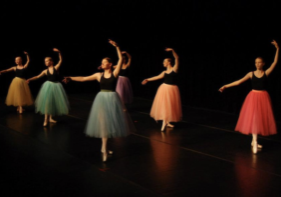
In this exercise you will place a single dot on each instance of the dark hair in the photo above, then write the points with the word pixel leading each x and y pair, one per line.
pixel 260 58
pixel 108 59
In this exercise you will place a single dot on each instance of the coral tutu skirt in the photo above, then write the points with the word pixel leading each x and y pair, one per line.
pixel 256 115
pixel 52 99
pixel 167 104
pixel 107 117
pixel 19 93
pixel 124 89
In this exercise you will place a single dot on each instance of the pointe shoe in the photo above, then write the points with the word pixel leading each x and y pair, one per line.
pixel 255 147
pixel 259 146
pixel 110 152
pixel 104 156
pixel 52 120
pixel 45 123
pixel 170 125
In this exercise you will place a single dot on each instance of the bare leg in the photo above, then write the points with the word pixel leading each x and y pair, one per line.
pixel 103 149
pixel 52 120
pixel 46 120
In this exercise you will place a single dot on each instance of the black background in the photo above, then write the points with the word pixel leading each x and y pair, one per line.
pixel 217 42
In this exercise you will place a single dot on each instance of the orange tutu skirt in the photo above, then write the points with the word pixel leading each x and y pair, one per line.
pixel 256 115
pixel 19 93
pixel 167 104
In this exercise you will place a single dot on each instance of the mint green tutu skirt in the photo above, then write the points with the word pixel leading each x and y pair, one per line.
pixel 107 118
pixel 52 99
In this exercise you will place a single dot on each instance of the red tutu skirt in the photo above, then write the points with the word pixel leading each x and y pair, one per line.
pixel 167 104
pixel 256 115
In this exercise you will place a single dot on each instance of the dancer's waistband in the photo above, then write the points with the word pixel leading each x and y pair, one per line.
pixel 259 90
pixel 103 90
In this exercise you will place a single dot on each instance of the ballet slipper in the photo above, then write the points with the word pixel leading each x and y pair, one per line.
pixel 104 156
pixel 255 147
pixel 170 125
pixel 259 146
pixel 52 120
pixel 45 123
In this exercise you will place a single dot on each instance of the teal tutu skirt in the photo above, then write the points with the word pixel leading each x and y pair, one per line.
pixel 52 99
pixel 108 119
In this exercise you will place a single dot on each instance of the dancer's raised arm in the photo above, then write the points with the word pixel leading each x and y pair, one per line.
pixel 119 64
pixel 270 69
pixel 236 83
pixel 176 66
pixel 161 76
pixel 27 60
pixel 60 58
pixel 129 58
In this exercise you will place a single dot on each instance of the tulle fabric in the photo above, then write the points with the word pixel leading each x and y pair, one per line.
pixel 19 93
pixel 52 99
pixel 167 104
pixel 256 115
pixel 108 118
pixel 124 89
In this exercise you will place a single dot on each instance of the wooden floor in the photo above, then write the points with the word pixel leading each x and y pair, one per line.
pixel 201 156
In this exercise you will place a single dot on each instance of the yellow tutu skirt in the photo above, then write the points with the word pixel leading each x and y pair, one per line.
pixel 19 93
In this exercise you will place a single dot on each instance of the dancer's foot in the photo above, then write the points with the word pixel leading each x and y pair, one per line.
pixel 170 125
pixel 110 152
pixel 104 156
pixel 20 110
pixel 163 127
pixel 255 147
pixel 259 146
pixel 52 120
pixel 45 123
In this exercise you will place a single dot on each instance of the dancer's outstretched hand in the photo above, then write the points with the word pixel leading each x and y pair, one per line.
pixel 113 43
pixel 56 50
pixel 25 52
pixel 275 44
pixel 169 49
pixel 66 80
pixel 144 82
pixel 222 88
pixel 27 81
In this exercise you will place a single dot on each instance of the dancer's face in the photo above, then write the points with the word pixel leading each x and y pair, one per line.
pixel 259 63
pixel 165 63
pixel 48 61
pixel 105 64
pixel 18 61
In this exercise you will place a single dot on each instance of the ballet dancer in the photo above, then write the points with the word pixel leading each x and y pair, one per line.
pixel 19 94
pixel 51 99
pixel 167 103
pixel 256 115
pixel 107 118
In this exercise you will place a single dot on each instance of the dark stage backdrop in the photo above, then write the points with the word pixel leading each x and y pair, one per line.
pixel 217 42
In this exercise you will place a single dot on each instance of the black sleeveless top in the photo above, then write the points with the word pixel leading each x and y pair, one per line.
pixel 53 77
pixel 20 73
pixel 108 83
pixel 123 72
pixel 259 83
pixel 170 78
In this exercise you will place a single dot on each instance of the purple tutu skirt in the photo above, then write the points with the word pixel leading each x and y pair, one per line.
pixel 124 89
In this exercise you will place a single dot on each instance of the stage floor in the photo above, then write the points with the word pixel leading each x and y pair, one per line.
pixel 201 156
